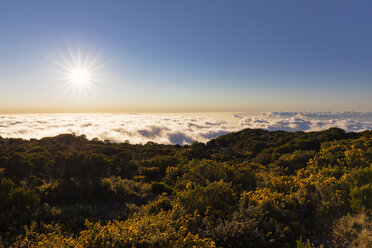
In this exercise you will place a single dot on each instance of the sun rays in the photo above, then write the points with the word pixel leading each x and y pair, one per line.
pixel 79 71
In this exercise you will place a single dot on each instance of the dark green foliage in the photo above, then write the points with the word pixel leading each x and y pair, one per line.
pixel 252 188
pixel 215 199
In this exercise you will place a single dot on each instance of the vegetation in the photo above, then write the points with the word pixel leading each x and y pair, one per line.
pixel 253 188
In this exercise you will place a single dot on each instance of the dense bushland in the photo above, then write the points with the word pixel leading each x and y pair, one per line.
pixel 252 188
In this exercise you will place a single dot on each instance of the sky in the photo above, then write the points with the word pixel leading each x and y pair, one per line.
pixel 185 56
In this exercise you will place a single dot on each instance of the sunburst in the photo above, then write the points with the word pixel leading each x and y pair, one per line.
pixel 79 70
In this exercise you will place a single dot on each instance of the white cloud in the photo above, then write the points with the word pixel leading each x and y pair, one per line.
pixel 173 128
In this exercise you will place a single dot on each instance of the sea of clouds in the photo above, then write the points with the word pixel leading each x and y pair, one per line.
pixel 174 128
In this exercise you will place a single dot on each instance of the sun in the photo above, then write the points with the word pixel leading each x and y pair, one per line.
pixel 80 70
pixel 80 77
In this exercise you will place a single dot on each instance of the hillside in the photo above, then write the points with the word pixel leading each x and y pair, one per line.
pixel 252 188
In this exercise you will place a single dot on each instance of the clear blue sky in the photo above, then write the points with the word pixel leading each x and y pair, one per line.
pixel 189 56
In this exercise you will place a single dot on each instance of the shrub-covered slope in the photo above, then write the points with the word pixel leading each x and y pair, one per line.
pixel 252 188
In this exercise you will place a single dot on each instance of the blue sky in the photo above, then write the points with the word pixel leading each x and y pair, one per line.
pixel 188 56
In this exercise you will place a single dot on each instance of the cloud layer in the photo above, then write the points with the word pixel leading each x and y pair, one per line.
pixel 173 128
